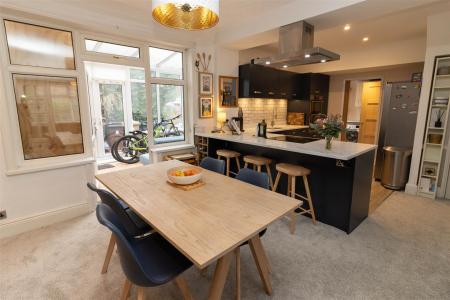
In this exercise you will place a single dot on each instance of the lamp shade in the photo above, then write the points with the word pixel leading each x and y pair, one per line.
pixel 221 117
pixel 186 14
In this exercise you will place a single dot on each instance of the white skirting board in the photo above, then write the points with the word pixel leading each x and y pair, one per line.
pixel 45 219
pixel 411 189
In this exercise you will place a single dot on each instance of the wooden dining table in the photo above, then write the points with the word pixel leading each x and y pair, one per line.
pixel 207 223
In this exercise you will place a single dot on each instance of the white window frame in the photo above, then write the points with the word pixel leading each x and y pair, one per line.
pixel 10 128
pixel 144 62
pixel 9 123
pixel 168 81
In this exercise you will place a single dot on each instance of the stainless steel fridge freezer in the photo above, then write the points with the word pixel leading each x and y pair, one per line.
pixel 398 118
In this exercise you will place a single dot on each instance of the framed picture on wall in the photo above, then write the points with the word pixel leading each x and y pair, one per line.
pixel 206 107
pixel 228 91
pixel 205 81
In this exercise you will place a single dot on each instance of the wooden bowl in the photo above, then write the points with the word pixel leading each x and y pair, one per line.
pixel 184 177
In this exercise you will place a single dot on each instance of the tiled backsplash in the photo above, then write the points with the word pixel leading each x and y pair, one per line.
pixel 255 110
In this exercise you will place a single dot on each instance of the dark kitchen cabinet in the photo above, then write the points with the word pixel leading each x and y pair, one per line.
pixel 315 87
pixel 256 81
pixel 253 81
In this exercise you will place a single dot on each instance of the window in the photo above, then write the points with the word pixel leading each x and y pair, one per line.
pixel 167 112
pixel 38 46
pixel 49 115
pixel 166 63
pixel 138 97
pixel 109 48
pixel 167 89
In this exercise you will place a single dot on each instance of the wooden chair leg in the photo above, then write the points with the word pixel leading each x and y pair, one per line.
pixel 109 252
pixel 269 173
pixel 310 203
pixel 277 180
pixel 140 293
pixel 259 169
pixel 293 223
pixel 246 165
pixel 126 290
pixel 238 163
pixel 228 166
pixel 182 285
pixel 289 181
pixel 238 273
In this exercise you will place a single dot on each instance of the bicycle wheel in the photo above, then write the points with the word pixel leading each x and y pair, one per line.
pixel 123 150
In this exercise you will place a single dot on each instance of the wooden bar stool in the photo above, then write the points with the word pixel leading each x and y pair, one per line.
pixel 293 171
pixel 229 154
pixel 258 162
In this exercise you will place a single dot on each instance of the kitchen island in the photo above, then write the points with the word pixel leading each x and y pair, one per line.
pixel 340 178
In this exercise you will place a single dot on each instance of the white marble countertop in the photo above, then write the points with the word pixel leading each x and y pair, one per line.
pixel 339 150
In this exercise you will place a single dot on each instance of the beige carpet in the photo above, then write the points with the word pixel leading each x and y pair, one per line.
pixel 402 251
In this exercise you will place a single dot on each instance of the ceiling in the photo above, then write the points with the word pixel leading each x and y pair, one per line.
pixel 382 24
pixel 133 17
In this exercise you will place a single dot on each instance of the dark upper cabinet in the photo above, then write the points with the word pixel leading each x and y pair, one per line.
pixel 253 81
pixel 256 81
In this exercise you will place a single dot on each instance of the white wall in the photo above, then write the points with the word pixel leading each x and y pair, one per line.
pixel 42 198
pixel 392 73
pixel 438 43
pixel 354 101
pixel 224 62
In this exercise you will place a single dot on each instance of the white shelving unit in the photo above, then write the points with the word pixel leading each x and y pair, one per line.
pixel 434 139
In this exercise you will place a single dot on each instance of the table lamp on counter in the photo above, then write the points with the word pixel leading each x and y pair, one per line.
pixel 221 118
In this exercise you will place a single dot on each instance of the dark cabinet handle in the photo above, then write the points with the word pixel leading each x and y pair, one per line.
pixel 257 92
pixel 271 93
pixel 294 94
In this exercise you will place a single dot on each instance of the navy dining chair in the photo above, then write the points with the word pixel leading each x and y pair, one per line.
pixel 261 180
pixel 132 223
pixel 213 164
pixel 253 177
pixel 148 262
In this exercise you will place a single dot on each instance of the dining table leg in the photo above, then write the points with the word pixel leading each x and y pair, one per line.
pixel 220 276
pixel 260 259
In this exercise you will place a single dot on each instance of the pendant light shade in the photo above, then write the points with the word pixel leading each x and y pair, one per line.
pixel 186 14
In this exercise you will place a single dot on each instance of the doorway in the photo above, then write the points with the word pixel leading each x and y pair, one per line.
pixel 362 103
pixel 118 104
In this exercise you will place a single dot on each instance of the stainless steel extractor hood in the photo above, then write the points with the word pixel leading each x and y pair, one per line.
pixel 296 47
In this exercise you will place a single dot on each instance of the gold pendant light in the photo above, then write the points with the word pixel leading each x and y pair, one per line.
pixel 186 14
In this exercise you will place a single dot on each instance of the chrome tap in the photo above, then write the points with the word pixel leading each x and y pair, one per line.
pixel 274 116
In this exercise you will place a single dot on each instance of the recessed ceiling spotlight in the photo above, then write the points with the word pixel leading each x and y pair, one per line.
pixel 323 61
pixel 267 62
pixel 307 55
pixel 365 39
pixel 285 66
pixel 347 27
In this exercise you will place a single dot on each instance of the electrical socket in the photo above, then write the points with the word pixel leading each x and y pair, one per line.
pixel 2 214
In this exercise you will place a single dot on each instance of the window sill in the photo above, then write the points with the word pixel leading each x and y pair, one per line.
pixel 49 167
pixel 172 148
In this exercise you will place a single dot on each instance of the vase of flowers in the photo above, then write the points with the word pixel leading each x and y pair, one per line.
pixel 329 128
